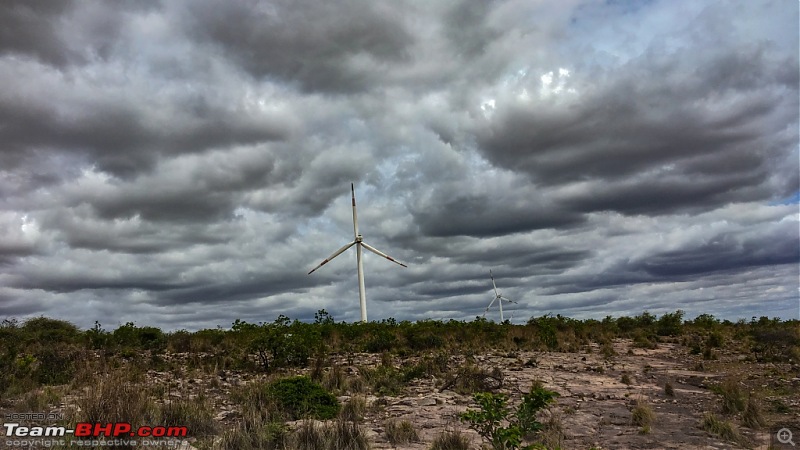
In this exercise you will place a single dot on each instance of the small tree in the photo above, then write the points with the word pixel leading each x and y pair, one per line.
pixel 503 428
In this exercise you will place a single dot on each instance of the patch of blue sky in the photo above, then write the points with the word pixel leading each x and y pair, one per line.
pixel 791 200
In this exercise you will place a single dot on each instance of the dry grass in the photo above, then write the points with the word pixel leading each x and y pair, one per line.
pixel 195 414
pixel 753 415
pixel 470 379
pixel 643 416
pixel 354 409
pixel 39 400
pixel 731 395
pixel 254 432
pixel 669 390
pixel 114 398
pixel 401 432
pixel 337 435
pixel 723 429
pixel 450 440
pixel 552 434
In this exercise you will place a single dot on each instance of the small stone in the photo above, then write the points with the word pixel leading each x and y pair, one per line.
pixel 428 401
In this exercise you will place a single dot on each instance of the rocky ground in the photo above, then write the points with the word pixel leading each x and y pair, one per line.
pixel 594 407
pixel 597 394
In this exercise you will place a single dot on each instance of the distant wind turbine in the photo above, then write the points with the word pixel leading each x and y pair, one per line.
pixel 358 242
pixel 498 298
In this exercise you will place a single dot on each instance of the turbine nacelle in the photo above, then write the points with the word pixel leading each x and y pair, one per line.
pixel 497 298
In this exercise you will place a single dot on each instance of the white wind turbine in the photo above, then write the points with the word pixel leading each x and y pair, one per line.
pixel 358 242
pixel 497 297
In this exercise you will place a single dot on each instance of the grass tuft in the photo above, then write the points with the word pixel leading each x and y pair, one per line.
pixel 669 390
pixel 450 440
pixel 337 435
pixel 732 397
pixel 401 432
pixel 723 429
pixel 354 409
pixel 643 416
pixel 753 415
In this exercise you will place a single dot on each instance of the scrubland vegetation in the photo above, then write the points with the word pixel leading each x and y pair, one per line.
pixel 287 384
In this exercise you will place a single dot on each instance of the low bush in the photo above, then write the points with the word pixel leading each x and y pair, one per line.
pixel 299 398
pixel 504 429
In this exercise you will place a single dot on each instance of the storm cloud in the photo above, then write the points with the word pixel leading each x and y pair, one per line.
pixel 184 164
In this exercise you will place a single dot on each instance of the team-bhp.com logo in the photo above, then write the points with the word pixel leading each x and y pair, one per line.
pixel 87 429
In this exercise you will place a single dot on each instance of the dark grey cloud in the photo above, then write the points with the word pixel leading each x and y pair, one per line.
pixel 318 46
pixel 720 116
pixel 727 252
pixel 486 209
pixel 184 164
pixel 466 28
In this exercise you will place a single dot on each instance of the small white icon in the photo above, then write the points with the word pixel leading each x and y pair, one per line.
pixel 784 436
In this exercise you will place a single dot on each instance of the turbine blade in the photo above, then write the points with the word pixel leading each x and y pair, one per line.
pixel 497 294
pixel 490 305
pixel 355 216
pixel 380 253
pixel 328 259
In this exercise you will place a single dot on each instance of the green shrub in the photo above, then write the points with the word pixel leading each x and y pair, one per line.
pixel 494 412
pixel 424 341
pixel 670 324
pixel 384 380
pixel 56 364
pixel 535 400
pixel 381 341
pixel 715 340
pixel 42 329
pixel 299 397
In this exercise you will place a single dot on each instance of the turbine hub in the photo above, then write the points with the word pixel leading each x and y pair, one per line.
pixel 359 238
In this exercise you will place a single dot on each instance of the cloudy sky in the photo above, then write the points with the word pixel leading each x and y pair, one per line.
pixel 184 163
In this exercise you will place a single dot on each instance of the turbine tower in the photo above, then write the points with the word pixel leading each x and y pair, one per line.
pixel 497 297
pixel 358 242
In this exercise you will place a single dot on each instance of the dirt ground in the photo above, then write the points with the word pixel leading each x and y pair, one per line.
pixel 594 407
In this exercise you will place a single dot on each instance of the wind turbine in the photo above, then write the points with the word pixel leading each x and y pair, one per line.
pixel 497 297
pixel 358 242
